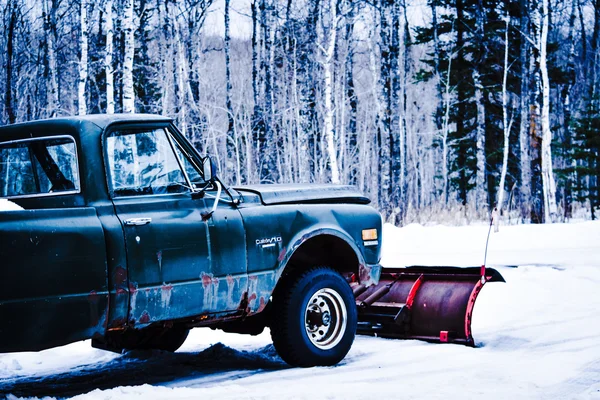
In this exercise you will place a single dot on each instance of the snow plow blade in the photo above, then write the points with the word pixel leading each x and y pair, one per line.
pixel 427 303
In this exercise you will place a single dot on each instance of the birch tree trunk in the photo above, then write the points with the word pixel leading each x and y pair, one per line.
pixel 128 29
pixel 52 83
pixel 328 66
pixel 168 57
pixel 352 99
pixel 267 152
pixel 302 166
pixel 436 62
pixel 83 60
pixel 567 118
pixel 257 112
pixel 378 100
pixel 181 73
pixel 108 57
pixel 549 184
pixel 8 102
pixel 505 124
pixel 446 132
pixel 231 136
pixel 398 39
pixel 307 66
pixel 480 192
pixel 524 141
pixel 406 76
pixel 584 41
pixel 389 125
pixel 384 112
pixel 480 189
pixel 535 124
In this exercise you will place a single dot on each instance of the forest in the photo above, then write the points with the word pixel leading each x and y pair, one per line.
pixel 430 107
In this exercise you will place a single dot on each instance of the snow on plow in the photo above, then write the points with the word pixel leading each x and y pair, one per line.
pixel 427 303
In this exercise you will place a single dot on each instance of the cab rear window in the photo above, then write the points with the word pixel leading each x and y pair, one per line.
pixel 38 167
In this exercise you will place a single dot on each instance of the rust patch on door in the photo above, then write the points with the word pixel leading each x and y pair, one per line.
pixel 120 279
pixel 165 295
pixel 145 318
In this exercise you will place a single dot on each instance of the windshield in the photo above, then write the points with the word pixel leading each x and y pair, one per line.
pixel 149 162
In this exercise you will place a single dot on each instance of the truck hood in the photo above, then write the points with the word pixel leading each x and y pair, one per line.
pixel 305 193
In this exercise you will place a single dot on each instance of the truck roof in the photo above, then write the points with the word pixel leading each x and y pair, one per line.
pixel 101 120
pixel 86 125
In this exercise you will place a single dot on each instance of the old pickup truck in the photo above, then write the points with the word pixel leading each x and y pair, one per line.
pixel 128 237
pixel 119 231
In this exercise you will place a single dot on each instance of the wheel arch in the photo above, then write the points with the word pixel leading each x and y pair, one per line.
pixel 324 246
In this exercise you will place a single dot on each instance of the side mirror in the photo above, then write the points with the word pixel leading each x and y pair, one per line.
pixel 209 169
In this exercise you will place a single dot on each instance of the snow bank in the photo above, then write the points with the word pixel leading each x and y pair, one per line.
pixel 550 244
pixel 7 205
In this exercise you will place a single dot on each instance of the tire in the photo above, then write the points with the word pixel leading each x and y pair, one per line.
pixel 169 339
pixel 314 318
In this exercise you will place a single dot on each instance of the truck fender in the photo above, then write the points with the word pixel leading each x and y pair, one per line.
pixel 364 273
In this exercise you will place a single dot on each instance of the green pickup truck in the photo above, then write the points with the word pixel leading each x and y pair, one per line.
pixel 127 236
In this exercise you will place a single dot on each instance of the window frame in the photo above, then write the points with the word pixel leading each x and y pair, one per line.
pixel 190 151
pixel 77 190
pixel 140 128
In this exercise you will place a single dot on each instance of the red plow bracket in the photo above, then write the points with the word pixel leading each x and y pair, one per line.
pixel 427 303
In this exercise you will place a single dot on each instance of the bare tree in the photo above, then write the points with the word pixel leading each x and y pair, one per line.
pixel 446 131
pixel 83 59
pixel 328 50
pixel 524 141
pixel 567 118
pixel 129 48
pixel 232 145
pixel 505 124
pixel 108 57
pixel 480 190
pixel 10 12
pixel 550 209
pixel 49 14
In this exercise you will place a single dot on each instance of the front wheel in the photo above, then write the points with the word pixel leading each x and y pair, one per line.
pixel 314 318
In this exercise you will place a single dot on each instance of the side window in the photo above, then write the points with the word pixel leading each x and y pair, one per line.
pixel 143 162
pixel 38 166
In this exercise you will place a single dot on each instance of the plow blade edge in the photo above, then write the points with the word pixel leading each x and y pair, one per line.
pixel 427 303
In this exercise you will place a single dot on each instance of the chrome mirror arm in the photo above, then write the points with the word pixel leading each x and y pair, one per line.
pixel 206 215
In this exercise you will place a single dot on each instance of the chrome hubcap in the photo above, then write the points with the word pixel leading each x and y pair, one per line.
pixel 325 318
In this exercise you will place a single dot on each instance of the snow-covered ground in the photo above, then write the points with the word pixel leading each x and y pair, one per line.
pixel 538 337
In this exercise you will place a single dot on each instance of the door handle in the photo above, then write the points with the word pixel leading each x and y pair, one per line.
pixel 137 221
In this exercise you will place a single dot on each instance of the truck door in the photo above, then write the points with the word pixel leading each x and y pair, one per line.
pixel 169 247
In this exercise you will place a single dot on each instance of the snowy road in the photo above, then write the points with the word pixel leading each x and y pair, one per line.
pixel 538 337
